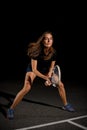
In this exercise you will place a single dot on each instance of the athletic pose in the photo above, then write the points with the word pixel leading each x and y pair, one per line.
pixel 43 59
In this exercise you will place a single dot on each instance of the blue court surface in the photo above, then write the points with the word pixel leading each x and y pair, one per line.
pixel 41 109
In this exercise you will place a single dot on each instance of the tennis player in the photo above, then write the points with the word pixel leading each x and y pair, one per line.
pixel 43 59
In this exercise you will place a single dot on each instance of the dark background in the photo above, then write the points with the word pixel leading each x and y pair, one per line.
pixel 22 22
pixel 69 41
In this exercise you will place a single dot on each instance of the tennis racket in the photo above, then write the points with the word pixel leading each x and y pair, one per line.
pixel 56 75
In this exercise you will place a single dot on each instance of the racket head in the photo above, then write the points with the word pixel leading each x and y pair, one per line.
pixel 57 71
pixel 56 76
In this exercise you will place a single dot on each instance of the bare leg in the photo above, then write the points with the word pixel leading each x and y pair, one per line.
pixel 62 92
pixel 20 95
pixel 30 76
pixel 27 86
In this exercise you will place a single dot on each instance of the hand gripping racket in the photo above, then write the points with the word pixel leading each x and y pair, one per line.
pixel 56 76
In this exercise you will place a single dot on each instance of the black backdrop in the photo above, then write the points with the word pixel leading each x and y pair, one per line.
pixel 69 42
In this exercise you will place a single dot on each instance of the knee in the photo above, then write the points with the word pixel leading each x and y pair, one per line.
pixel 26 88
pixel 61 85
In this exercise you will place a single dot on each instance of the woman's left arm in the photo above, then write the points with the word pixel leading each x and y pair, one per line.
pixel 51 68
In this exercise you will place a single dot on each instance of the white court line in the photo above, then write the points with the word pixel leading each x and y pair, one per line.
pixel 56 122
pixel 78 125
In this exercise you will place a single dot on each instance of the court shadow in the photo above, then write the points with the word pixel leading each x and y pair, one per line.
pixel 5 102
pixel 9 99
pixel 41 103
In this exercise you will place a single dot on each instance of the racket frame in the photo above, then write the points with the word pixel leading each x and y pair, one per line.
pixel 59 77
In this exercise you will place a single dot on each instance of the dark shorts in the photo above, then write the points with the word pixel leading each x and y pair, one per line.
pixel 29 69
pixel 43 71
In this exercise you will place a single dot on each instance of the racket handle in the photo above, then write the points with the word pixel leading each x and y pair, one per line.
pixel 54 85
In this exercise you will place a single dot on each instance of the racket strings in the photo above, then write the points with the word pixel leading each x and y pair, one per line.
pixel 56 77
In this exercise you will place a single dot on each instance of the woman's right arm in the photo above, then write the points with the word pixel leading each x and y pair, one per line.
pixel 34 69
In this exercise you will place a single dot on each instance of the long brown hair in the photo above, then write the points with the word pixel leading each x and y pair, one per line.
pixel 35 48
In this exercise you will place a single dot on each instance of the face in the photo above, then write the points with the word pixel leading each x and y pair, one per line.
pixel 48 40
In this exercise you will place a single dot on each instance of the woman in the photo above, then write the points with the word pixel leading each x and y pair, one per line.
pixel 43 60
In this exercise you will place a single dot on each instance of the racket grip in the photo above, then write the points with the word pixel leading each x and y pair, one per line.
pixel 54 85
